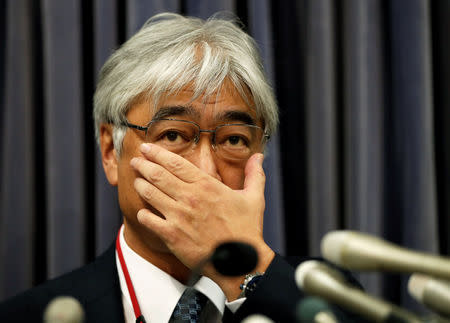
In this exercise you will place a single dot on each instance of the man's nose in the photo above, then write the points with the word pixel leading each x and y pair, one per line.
pixel 204 157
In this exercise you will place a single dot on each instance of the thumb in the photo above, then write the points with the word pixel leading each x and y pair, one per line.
pixel 255 178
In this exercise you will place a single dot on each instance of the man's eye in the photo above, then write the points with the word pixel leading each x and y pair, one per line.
pixel 171 135
pixel 236 141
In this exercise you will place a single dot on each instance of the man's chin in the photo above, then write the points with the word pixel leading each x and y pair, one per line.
pixel 138 235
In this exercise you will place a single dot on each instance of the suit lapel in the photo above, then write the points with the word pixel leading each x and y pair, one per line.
pixel 104 304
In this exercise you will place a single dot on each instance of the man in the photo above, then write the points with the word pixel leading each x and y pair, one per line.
pixel 182 112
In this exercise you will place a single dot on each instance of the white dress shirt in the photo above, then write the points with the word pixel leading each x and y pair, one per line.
pixel 157 292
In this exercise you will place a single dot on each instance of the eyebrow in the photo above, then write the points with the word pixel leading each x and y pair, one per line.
pixel 230 116
pixel 178 110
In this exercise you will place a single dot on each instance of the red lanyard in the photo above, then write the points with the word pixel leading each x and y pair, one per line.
pixel 137 310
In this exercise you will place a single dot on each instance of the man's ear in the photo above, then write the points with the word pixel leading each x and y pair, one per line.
pixel 109 156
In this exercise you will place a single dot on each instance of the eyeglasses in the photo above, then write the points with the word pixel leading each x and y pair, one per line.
pixel 236 141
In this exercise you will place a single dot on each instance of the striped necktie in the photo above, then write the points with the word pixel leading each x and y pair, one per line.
pixel 194 307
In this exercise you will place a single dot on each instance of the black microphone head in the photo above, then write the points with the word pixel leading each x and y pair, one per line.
pixel 234 258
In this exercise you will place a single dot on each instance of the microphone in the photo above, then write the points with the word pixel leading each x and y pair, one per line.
pixel 234 258
pixel 314 310
pixel 257 318
pixel 229 259
pixel 64 309
pixel 318 279
pixel 433 293
pixel 358 251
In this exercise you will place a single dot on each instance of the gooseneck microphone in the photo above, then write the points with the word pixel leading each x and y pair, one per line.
pixel 358 251
pixel 316 278
pixel 433 293
pixel 314 310
pixel 64 309
pixel 231 258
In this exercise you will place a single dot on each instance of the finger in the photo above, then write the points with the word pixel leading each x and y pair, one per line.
pixel 158 176
pixel 255 178
pixel 154 196
pixel 177 165
pixel 154 223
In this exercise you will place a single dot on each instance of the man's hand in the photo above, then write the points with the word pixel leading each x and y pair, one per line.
pixel 200 211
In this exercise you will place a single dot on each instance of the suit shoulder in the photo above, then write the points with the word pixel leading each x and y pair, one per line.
pixel 84 284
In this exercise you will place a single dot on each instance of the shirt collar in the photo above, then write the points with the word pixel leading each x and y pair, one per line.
pixel 157 292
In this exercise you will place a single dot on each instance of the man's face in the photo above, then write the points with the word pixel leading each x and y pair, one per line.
pixel 208 114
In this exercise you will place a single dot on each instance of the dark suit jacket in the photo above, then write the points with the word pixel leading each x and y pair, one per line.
pixel 97 287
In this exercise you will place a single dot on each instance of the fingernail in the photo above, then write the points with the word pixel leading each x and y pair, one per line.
pixel 261 159
pixel 145 148
pixel 133 162
pixel 140 215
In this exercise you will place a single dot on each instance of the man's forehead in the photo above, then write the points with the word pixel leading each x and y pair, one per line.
pixel 223 105
pixel 226 91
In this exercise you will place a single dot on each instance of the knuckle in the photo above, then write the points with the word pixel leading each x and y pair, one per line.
pixel 156 175
pixel 193 202
pixel 175 164
pixel 208 186
pixel 173 234
pixel 169 233
pixel 148 192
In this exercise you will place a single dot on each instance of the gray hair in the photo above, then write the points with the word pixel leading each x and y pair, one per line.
pixel 171 51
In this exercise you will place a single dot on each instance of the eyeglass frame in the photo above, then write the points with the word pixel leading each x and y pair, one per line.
pixel 265 138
